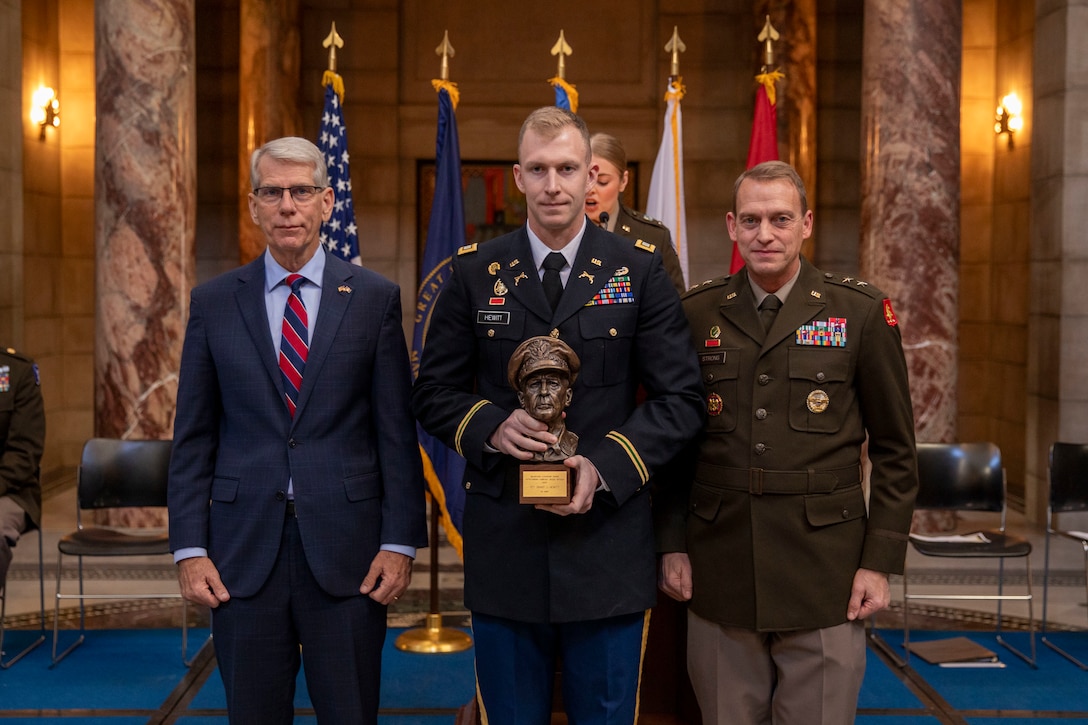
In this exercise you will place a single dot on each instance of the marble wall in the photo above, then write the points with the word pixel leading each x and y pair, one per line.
pixel 1021 324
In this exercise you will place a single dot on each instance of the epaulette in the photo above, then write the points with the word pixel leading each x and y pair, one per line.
pixel 467 249
pixel 858 285
pixel 645 246
pixel 703 286
pixel 11 352
pixel 640 216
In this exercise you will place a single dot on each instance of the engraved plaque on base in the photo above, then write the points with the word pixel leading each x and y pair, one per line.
pixel 544 483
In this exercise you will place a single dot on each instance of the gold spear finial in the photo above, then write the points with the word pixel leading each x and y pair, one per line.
pixel 561 49
pixel 445 50
pixel 333 41
pixel 767 36
pixel 676 47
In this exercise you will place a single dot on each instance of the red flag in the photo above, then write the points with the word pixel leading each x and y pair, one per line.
pixel 763 145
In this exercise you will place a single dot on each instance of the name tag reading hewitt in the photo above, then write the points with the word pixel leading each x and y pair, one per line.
pixel 542 370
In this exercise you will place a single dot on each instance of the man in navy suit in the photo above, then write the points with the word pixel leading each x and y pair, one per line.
pixel 569 581
pixel 296 495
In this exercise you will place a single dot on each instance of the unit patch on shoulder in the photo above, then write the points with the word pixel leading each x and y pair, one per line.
pixel 467 249
pixel 889 313
pixel 645 246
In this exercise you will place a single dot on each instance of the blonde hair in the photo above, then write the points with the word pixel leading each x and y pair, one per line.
pixel 549 122
pixel 609 148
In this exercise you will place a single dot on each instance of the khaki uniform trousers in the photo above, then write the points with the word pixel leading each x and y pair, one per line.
pixel 804 677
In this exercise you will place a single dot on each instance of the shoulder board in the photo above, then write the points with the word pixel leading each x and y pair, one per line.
pixel 851 282
pixel 467 249
pixel 640 216
pixel 645 246
pixel 703 286
pixel 11 352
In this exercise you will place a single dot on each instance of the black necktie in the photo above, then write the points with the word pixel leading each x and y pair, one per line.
pixel 553 283
pixel 768 309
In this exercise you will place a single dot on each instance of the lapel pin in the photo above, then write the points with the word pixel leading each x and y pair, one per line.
pixel 519 278
pixel 343 289
pixel 586 275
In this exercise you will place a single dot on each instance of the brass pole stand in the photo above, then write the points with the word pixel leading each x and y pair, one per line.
pixel 433 638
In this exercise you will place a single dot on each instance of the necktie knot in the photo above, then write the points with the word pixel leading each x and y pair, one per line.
pixel 554 261
pixel 768 309
pixel 294 281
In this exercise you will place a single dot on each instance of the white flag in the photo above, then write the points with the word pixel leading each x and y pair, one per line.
pixel 666 200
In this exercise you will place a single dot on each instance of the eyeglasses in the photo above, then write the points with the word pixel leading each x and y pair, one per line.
pixel 273 194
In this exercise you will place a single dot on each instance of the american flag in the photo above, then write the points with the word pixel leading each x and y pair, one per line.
pixel 339 234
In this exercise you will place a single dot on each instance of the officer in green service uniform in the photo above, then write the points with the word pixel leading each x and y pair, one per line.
pixel 772 542
pixel 605 210
pixel 22 431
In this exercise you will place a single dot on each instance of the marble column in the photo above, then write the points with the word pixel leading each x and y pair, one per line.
pixel 268 95
pixel 145 211
pixel 910 189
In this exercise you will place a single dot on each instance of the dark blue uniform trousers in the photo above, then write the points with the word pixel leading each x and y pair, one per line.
pixel 601 661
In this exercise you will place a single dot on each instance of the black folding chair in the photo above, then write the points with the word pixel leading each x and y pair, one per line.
pixel 116 474
pixel 969 477
pixel 1068 494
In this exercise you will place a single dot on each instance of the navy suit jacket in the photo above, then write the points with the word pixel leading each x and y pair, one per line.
pixel 350 450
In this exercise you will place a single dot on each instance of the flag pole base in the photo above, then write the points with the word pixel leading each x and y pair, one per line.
pixel 433 638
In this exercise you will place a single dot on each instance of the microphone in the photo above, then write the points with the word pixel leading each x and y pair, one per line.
pixel 603 220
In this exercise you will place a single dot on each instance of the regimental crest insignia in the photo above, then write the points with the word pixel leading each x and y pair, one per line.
pixel 714 404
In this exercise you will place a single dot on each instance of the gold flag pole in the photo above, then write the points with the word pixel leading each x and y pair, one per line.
pixel 676 47
pixel 433 638
pixel 562 49
pixel 767 76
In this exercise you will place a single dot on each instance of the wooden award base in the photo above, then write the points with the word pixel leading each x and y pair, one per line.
pixel 545 483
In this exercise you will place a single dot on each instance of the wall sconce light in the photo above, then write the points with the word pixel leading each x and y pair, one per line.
pixel 1008 119
pixel 45 111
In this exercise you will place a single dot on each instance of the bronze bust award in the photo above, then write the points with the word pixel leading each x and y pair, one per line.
pixel 542 370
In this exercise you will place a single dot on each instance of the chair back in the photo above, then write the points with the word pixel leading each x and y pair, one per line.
pixel 960 476
pixel 119 473
pixel 1068 477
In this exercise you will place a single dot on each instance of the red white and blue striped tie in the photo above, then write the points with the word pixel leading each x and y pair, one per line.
pixel 294 347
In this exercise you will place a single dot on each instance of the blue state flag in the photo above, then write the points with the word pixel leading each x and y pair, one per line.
pixel 442 467
pixel 339 234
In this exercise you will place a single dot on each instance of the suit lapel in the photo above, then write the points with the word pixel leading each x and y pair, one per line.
pixel 251 303
pixel 520 278
pixel 805 302
pixel 592 269
pixel 738 306
pixel 337 289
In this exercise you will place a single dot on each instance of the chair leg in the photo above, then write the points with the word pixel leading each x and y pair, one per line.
pixel 1055 647
pixel 56 615
pixel 1030 661
pixel 5 664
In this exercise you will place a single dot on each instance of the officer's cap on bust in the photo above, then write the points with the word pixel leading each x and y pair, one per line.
pixel 542 353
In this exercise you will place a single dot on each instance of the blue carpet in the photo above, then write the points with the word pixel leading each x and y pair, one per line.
pixel 112 669
pixel 882 689
pixel 1056 685
pixel 896 720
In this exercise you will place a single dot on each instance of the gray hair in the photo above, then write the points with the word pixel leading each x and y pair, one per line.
pixel 292 149
pixel 773 171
